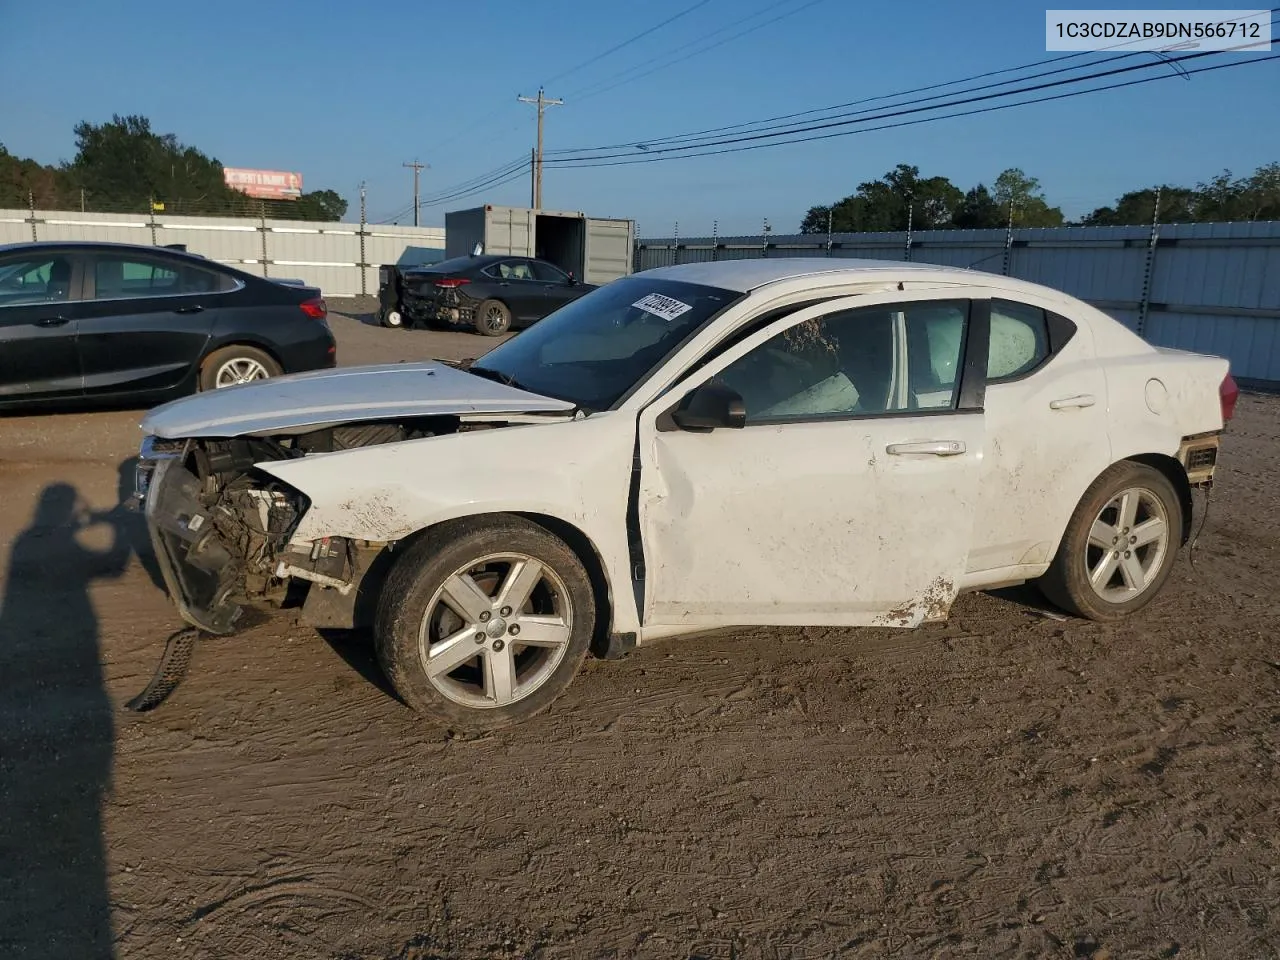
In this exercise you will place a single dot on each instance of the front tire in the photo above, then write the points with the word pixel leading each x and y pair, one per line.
pixel 393 318
pixel 484 622
pixel 1120 544
pixel 493 318
pixel 235 364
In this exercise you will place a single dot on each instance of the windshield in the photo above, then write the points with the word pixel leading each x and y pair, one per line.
pixel 593 351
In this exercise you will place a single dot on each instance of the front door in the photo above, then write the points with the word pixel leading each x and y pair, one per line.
pixel 557 289
pixel 144 322
pixel 37 327
pixel 848 497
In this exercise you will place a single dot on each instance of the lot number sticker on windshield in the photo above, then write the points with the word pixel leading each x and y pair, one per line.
pixel 665 307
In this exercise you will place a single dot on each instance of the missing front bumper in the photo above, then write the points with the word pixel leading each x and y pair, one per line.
pixel 199 572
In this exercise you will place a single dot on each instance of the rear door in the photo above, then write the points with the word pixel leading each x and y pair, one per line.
pixel 1046 407
pixel 145 320
pixel 38 360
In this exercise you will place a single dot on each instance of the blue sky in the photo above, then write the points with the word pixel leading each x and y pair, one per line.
pixel 344 92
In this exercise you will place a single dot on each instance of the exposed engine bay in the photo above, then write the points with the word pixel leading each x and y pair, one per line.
pixel 222 528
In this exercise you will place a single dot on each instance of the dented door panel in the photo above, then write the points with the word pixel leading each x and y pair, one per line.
pixel 807 523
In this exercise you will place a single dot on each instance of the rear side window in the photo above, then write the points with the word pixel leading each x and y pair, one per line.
pixel 1019 340
pixel 126 277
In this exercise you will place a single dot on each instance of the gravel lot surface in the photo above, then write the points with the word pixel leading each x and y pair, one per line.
pixel 1005 785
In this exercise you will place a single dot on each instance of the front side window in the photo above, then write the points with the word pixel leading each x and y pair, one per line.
pixel 1019 339
pixel 40 278
pixel 549 274
pixel 598 348
pixel 896 358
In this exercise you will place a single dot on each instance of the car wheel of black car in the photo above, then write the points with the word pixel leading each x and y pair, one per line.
pixel 393 318
pixel 493 318
pixel 238 363
pixel 484 622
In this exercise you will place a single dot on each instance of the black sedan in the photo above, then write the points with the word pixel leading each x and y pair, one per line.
pixel 492 293
pixel 108 322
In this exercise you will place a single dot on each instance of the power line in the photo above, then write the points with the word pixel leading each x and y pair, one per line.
pixel 909 123
pixel 496 181
pixel 492 115
pixel 626 43
pixel 758 124
pixel 829 124
pixel 478 180
pixel 649 143
pixel 590 91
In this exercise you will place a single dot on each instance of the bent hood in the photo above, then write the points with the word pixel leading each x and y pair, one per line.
pixel 309 401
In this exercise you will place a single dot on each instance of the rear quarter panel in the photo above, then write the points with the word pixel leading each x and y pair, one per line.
pixel 1160 397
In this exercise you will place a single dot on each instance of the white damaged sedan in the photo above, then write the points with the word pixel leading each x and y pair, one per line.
pixel 823 442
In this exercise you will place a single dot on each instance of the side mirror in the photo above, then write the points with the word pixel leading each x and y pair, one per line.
pixel 573 281
pixel 710 406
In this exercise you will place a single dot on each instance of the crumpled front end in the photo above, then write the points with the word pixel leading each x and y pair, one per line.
pixel 220 542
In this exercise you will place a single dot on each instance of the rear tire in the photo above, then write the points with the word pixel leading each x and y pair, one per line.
pixel 1119 546
pixel 393 318
pixel 235 364
pixel 504 580
pixel 492 318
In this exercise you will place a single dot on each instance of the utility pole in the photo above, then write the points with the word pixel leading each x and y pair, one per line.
pixel 417 169
pixel 542 103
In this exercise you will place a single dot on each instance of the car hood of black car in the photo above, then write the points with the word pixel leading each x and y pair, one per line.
pixel 309 401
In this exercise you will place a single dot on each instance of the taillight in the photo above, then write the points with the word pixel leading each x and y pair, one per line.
pixel 315 308
pixel 1228 394
pixel 450 282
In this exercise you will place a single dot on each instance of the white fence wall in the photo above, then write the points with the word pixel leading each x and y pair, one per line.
pixel 340 258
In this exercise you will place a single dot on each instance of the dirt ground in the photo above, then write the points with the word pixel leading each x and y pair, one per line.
pixel 1006 785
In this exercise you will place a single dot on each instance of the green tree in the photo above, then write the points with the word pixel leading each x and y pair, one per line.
pixel 1177 205
pixel 978 211
pixel 22 181
pixel 1029 206
pixel 888 203
pixel 318 205
pixel 1261 195
pixel 124 163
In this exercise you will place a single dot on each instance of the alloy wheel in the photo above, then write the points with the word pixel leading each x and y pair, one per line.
pixel 495 630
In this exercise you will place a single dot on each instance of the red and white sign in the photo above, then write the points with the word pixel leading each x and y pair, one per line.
pixel 267 184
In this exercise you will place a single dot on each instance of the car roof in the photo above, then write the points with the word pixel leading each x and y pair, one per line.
pixel 747 275
pixel 35 245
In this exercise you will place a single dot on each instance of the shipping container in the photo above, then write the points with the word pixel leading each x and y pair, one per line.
pixel 596 250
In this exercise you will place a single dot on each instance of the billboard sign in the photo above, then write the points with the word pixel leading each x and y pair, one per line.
pixel 266 184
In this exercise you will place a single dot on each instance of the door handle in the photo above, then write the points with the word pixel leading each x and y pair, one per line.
pixel 935 448
pixel 193 308
pixel 52 321
pixel 1081 400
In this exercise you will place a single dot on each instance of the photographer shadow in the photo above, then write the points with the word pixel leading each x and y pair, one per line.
pixel 56 731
